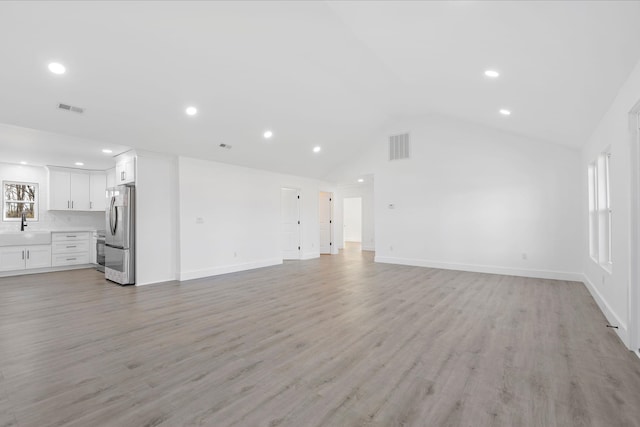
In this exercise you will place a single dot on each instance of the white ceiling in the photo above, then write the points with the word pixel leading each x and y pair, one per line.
pixel 316 73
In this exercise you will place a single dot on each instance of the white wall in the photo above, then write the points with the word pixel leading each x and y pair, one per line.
pixel 48 220
pixel 365 192
pixel 352 208
pixel 611 290
pixel 230 217
pixel 474 198
pixel 156 217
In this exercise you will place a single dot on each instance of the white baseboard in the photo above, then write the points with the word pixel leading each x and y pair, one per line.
pixel 216 271
pixel 45 270
pixel 611 316
pixel 491 269
pixel 368 248
pixel 310 255
pixel 163 282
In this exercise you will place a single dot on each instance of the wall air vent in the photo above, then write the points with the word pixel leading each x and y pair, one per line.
pixel 227 146
pixel 399 146
pixel 71 108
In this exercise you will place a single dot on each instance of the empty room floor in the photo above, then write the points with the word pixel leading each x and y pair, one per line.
pixel 335 341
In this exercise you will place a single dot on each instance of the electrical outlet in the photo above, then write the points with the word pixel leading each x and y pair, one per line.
pixel 235 254
pixel 391 248
pixel 524 256
pixel 199 220
pixel 603 279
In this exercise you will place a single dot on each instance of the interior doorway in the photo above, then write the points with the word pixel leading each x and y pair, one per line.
pixel 290 220
pixel 325 219
pixel 352 222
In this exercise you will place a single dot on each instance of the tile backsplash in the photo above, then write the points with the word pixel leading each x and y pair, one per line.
pixel 59 220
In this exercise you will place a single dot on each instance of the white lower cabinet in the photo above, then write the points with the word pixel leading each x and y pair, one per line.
pixel 70 248
pixel 24 257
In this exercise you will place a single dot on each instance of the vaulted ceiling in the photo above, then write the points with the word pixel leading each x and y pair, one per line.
pixel 315 73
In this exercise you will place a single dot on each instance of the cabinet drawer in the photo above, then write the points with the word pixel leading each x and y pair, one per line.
pixel 69 259
pixel 70 246
pixel 63 237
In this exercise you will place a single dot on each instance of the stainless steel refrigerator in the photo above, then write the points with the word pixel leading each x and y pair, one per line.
pixel 119 249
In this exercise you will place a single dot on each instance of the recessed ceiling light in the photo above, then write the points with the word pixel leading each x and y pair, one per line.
pixel 79 164
pixel 505 112
pixel 57 68
pixel 267 134
pixel 316 149
pixel 191 111
pixel 107 151
pixel 23 163
pixel 492 73
pixel 360 180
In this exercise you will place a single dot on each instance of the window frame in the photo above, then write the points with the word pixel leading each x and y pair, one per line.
pixel 6 201
pixel 600 212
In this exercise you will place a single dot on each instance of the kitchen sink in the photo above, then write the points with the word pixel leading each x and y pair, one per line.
pixel 19 238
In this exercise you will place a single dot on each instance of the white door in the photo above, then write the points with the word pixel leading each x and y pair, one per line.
pixel 290 223
pixel 352 207
pixel 80 187
pixel 325 220
pixel 38 256
pixel 98 185
pixel 59 187
pixel 12 258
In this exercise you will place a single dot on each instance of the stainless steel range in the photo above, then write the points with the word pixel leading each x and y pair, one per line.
pixel 100 236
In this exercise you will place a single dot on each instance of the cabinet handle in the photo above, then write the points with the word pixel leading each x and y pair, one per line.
pixel 71 259
pixel 22 254
pixel 67 204
pixel 27 254
pixel 70 247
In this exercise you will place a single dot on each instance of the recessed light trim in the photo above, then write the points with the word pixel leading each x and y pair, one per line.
pixel 317 149
pixel 505 112
pixel 360 180
pixel 57 68
pixel 267 134
pixel 23 163
pixel 107 151
pixel 79 164
pixel 191 111
pixel 492 74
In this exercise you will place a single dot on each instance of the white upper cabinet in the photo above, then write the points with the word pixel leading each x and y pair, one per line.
pixel 98 185
pixel 126 170
pixel 111 177
pixel 80 191
pixel 59 190
pixel 72 190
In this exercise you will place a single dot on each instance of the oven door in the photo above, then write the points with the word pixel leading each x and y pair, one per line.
pixel 100 259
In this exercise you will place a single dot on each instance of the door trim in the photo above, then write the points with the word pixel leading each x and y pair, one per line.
pixel 634 255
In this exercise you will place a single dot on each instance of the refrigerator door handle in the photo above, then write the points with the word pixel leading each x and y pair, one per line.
pixel 113 212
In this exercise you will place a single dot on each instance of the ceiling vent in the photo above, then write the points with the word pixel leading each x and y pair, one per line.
pixel 71 108
pixel 399 146
pixel 227 146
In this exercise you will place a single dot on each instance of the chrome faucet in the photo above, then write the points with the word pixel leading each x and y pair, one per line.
pixel 23 221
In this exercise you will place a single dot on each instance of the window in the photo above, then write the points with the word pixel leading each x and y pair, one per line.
pixel 600 210
pixel 19 197
pixel 593 212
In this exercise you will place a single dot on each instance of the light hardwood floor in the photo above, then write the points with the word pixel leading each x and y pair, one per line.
pixel 337 341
